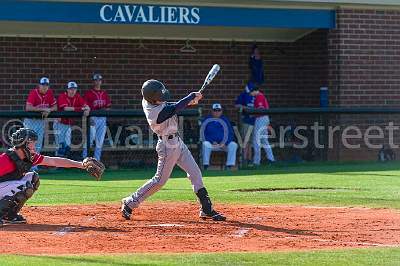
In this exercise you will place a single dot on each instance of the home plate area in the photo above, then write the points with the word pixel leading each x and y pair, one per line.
pixel 175 227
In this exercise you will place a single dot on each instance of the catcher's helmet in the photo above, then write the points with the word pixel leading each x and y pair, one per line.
pixel 153 91
pixel 22 136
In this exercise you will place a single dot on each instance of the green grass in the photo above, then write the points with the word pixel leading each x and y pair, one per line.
pixel 329 184
pixel 322 184
pixel 369 256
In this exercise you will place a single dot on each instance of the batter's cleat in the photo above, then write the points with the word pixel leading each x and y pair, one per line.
pixel 214 215
pixel 126 211
pixel 14 219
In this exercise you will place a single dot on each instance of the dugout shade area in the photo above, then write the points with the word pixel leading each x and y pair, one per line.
pixel 348 46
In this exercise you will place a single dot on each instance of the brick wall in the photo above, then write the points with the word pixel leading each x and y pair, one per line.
pixel 363 56
pixel 294 71
pixel 363 67
pixel 290 68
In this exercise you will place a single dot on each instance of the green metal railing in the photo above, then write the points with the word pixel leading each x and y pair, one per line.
pixel 326 110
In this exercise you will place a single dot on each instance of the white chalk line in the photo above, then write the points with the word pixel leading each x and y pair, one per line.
pixel 166 225
pixel 63 231
pixel 241 232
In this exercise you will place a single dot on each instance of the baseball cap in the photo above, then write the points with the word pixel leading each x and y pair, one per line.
pixel 44 81
pixel 97 77
pixel 72 85
pixel 251 86
pixel 216 106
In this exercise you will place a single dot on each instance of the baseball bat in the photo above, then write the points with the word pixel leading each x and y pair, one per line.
pixel 210 76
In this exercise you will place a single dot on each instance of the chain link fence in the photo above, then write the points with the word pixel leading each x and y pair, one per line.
pixel 121 138
pixel 338 134
pixel 295 135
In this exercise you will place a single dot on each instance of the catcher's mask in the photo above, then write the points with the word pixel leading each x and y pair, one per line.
pixel 21 138
pixel 153 91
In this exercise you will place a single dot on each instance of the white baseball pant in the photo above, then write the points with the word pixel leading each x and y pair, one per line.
pixel 98 130
pixel 170 152
pixel 10 188
pixel 62 135
pixel 230 149
pixel 260 140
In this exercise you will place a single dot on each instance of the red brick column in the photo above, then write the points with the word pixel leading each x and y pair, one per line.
pixel 364 58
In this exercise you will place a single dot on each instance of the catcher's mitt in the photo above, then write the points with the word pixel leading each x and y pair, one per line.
pixel 94 167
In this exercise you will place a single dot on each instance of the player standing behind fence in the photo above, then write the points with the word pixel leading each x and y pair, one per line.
pixel 260 136
pixel 68 101
pixel 243 101
pixel 163 120
pixel 41 99
pixel 97 99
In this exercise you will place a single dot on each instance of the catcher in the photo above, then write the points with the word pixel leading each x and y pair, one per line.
pixel 18 183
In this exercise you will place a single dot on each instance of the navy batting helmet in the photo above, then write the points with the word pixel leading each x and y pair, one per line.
pixel 153 91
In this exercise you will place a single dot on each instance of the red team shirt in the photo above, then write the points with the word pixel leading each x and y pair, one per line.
pixel 261 102
pixel 8 166
pixel 36 99
pixel 64 101
pixel 97 99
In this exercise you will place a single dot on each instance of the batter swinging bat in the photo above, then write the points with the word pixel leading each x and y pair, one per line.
pixel 211 75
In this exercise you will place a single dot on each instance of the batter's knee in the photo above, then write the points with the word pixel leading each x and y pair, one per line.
pixel 159 181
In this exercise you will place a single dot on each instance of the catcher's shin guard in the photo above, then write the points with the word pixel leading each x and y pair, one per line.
pixel 5 204
pixel 207 211
pixel 19 199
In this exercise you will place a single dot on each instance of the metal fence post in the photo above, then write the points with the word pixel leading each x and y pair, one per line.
pixel 88 135
pixel 242 149
pixel 199 141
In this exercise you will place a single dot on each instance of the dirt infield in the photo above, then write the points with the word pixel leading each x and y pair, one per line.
pixel 174 227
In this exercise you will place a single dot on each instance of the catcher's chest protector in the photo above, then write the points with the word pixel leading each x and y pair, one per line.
pixel 168 127
pixel 21 167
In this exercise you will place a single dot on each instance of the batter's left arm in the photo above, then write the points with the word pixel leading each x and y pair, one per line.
pixel 172 109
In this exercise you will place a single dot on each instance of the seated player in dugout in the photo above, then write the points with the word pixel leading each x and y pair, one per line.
pixel 217 135
pixel 17 182
pixel 163 121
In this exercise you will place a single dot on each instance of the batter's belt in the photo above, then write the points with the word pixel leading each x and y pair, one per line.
pixel 168 136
